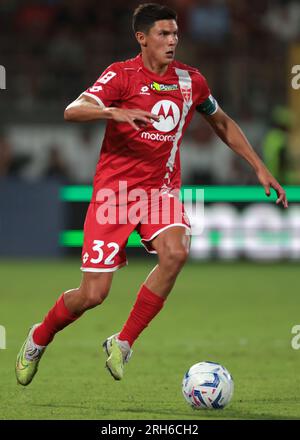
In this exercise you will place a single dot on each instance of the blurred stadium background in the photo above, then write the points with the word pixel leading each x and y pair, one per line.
pixel 52 50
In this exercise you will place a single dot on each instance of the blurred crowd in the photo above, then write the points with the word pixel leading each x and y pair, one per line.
pixel 69 154
pixel 54 49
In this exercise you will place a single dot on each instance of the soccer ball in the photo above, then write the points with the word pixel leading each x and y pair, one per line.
pixel 207 385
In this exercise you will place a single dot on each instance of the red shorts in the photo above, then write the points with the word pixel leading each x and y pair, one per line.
pixel 105 241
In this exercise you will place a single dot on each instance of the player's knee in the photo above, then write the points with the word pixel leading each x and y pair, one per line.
pixel 94 296
pixel 179 256
pixel 94 289
pixel 174 256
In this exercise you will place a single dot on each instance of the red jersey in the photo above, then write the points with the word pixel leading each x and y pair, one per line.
pixel 148 158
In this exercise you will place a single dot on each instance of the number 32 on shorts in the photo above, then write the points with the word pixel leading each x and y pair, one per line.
pixel 98 245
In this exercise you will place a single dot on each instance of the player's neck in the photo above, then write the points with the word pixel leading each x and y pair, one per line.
pixel 154 66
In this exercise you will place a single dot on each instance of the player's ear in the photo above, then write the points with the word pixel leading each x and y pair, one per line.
pixel 141 38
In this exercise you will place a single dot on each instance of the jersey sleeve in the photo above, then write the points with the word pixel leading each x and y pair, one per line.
pixel 109 87
pixel 206 103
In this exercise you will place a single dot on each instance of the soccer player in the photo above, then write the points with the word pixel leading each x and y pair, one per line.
pixel 148 102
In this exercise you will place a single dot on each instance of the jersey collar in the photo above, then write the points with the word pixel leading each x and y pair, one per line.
pixel 153 75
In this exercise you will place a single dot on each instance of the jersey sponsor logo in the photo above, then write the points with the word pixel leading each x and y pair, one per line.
pixel 144 90
pixel 157 137
pixel 163 87
pixel 169 115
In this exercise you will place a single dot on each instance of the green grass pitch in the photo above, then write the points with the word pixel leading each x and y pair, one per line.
pixel 237 314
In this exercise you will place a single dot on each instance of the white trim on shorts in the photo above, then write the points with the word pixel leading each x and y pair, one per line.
pixel 103 269
pixel 159 231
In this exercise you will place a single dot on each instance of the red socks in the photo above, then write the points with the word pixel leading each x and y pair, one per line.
pixel 146 307
pixel 56 319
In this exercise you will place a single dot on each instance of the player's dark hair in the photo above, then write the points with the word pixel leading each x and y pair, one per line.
pixel 147 14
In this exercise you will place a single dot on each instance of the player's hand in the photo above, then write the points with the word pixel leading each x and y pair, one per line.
pixel 136 118
pixel 268 182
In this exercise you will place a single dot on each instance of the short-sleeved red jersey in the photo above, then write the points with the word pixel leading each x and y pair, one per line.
pixel 147 158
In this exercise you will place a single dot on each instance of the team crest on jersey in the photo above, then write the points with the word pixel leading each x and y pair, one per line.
pixel 163 87
pixel 186 93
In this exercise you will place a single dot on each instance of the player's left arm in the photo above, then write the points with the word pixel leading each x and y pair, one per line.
pixel 230 133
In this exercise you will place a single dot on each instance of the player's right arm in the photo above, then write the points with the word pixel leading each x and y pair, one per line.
pixel 100 101
pixel 85 109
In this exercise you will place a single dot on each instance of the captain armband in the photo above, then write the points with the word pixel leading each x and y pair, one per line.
pixel 208 107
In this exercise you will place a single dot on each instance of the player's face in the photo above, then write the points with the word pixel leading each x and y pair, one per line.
pixel 161 41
